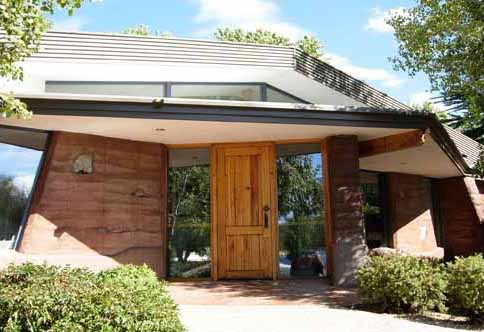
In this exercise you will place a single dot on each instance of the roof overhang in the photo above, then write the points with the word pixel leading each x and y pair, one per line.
pixel 195 119
pixel 221 110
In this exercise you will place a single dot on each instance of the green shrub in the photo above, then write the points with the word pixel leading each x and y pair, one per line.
pixel 466 285
pixel 403 283
pixel 45 298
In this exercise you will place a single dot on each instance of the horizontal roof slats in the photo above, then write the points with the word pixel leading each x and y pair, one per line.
pixel 344 83
pixel 81 46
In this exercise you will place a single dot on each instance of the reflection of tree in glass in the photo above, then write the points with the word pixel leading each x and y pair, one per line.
pixel 12 204
pixel 300 204
pixel 374 221
pixel 189 217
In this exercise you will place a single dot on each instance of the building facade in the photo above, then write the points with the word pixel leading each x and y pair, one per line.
pixel 124 122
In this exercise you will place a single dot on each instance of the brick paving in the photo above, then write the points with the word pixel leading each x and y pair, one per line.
pixel 261 292
pixel 307 305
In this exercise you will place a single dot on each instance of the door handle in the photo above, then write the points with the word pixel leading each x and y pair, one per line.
pixel 266 216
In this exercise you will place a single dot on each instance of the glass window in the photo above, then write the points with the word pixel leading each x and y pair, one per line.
pixel 140 89
pixel 18 167
pixel 189 213
pixel 217 91
pixel 276 96
pixel 301 218
pixel 373 209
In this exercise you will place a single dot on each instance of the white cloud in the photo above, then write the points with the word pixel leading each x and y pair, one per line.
pixel 71 24
pixel 24 182
pixel 245 14
pixel 380 75
pixel 378 19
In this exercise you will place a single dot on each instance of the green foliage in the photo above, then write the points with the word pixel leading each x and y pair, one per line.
pixel 301 236
pixel 12 205
pixel 466 285
pixel 300 204
pixel 403 283
pixel 189 202
pixel 444 39
pixel 370 210
pixel 478 169
pixel 144 30
pixel 311 46
pixel 126 299
pixel 308 44
pixel 10 107
pixel 23 22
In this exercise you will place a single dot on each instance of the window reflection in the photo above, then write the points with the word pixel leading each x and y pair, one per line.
pixel 277 96
pixel 301 218
pixel 17 172
pixel 217 91
pixel 373 209
pixel 189 214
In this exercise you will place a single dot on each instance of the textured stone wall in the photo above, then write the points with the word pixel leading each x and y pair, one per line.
pixel 117 210
pixel 459 211
pixel 410 200
pixel 345 239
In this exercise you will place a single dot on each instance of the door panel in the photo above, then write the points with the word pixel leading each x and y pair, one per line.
pixel 245 212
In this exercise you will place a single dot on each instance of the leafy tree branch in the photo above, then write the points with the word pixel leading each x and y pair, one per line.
pixel 22 23
pixel 445 40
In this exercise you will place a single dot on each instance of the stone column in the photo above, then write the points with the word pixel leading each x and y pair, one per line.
pixel 344 222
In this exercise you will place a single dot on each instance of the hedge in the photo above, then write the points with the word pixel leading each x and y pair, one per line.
pixel 46 298
pixel 403 283
pixel 466 285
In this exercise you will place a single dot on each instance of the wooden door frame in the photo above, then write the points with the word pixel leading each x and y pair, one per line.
pixel 214 245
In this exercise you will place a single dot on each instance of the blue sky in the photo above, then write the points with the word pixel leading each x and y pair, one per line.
pixel 353 33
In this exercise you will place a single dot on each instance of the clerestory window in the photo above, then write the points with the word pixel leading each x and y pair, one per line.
pixel 193 90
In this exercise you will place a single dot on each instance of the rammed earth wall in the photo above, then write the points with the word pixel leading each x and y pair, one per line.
pixel 117 210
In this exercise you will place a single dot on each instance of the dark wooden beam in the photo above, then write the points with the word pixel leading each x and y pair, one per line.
pixel 392 143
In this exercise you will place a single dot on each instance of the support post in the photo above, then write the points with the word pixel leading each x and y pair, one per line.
pixel 344 224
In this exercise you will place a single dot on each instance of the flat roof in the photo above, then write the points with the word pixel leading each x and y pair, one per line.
pixel 77 47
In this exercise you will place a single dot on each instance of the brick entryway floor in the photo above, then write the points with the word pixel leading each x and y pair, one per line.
pixel 261 292
pixel 305 305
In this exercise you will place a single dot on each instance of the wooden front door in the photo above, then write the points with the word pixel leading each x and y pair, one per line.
pixel 245 211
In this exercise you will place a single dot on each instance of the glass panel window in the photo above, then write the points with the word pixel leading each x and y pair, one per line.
pixel 140 89
pixel 189 214
pixel 18 167
pixel 217 91
pixel 373 209
pixel 301 218
pixel 276 96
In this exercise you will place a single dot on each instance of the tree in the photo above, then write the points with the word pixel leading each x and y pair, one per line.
pixel 299 203
pixel 189 201
pixel 12 206
pixel 22 23
pixel 308 44
pixel 144 30
pixel 444 39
